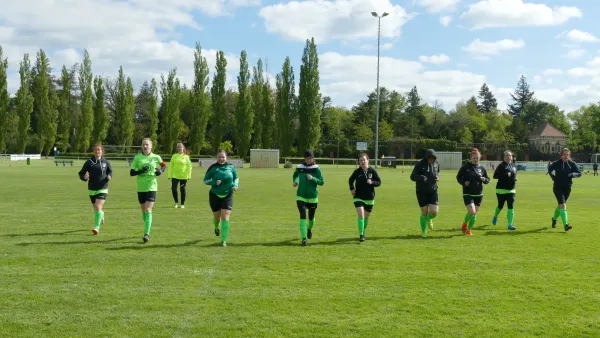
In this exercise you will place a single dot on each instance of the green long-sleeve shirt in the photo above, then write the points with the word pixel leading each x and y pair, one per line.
pixel 307 189
pixel 180 167
pixel 221 172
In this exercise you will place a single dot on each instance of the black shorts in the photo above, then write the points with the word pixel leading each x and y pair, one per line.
pixel 509 199
pixel 562 194
pixel 101 196
pixel 368 208
pixel 147 196
pixel 427 198
pixel 472 199
pixel 217 203
pixel 302 206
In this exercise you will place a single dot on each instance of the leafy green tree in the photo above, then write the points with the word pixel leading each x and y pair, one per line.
pixel 244 114
pixel 170 92
pixel 309 98
pixel 201 101
pixel 100 118
pixel 218 96
pixel 24 104
pixel 285 108
pixel 522 96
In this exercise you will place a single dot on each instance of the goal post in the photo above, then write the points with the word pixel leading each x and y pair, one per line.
pixel 264 158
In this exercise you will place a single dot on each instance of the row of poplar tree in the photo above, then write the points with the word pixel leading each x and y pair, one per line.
pixel 77 110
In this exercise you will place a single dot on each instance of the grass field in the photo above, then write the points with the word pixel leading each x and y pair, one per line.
pixel 59 280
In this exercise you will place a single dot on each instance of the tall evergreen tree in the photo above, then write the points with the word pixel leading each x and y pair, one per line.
pixel 4 102
pixel 285 108
pixel 86 119
pixel 171 94
pixel 267 118
pixel 244 114
pixel 129 109
pixel 219 101
pixel 100 118
pixel 44 111
pixel 309 99
pixel 488 101
pixel 257 88
pixel 24 104
pixel 64 109
pixel 522 96
pixel 200 100
pixel 153 112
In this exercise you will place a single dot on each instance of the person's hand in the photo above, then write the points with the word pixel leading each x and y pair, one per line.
pixel 309 177
pixel 218 182
pixel 145 169
pixel 482 179
pixel 467 183
pixel 424 178
pixel 109 177
pixel 353 192
pixel 369 181
pixel 508 174
pixel 295 184
pixel 437 178
pixel 86 176
pixel 235 188
pixel 157 172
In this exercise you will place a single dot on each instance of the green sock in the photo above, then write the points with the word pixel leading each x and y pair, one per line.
pixel 467 218
pixel 311 223
pixel 216 223
pixel 564 216
pixel 224 230
pixel 510 215
pixel 366 223
pixel 556 213
pixel 361 226
pixel 497 211
pixel 97 219
pixel 423 221
pixel 431 216
pixel 472 222
pixel 147 222
pixel 303 228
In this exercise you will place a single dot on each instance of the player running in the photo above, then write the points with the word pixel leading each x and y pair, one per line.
pixel 147 166
pixel 427 173
pixel 306 177
pixel 367 180
pixel 562 173
pixel 472 177
pixel 97 171
pixel 506 174
pixel 223 179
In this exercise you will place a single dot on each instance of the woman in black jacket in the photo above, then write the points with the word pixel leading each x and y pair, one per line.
pixel 97 171
pixel 472 176
pixel 366 179
pixel 562 173
pixel 427 173
pixel 506 174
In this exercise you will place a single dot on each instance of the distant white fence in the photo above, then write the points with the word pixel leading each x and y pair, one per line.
pixel 23 157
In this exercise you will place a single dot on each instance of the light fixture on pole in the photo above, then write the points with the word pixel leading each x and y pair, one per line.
pixel 377 111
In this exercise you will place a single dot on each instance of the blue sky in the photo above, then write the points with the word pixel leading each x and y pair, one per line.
pixel 448 48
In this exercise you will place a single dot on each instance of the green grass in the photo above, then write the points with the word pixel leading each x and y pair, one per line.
pixel 59 280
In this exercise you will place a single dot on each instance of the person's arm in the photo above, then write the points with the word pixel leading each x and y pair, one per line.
pixel 415 175
pixel 575 171
pixel 134 167
pixel 459 176
pixel 109 170
pixel 208 177
pixel 351 180
pixel 169 169
pixel 188 164
pixel 295 176
pixel 318 178
pixel 498 172
pixel 486 178
pixel 375 179
pixel 163 167
pixel 84 169
pixel 550 170
pixel 236 179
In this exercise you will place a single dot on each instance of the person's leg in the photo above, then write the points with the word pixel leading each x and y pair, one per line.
pixel 501 199
pixel 360 212
pixel 174 184
pixel 301 205
pixel 510 214
pixel 182 188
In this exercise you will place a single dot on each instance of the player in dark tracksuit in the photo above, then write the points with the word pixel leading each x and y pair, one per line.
pixel 367 179
pixel 562 173
pixel 472 176
pixel 427 173
pixel 97 171
pixel 595 166
pixel 506 174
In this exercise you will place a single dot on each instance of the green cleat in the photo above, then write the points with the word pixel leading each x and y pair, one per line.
pixel 430 224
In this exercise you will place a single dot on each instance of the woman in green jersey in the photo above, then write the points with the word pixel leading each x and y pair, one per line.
pixel 306 177
pixel 147 166
pixel 223 179
pixel 179 172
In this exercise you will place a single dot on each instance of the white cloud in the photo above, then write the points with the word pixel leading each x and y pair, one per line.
pixel 349 78
pixel 483 49
pixel 552 72
pixel 574 54
pixel 435 59
pixel 333 19
pixel 436 6
pixel 139 35
pixel 445 20
pixel 580 36
pixel 385 46
pixel 507 13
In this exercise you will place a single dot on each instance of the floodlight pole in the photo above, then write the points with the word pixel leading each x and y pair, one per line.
pixel 377 109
